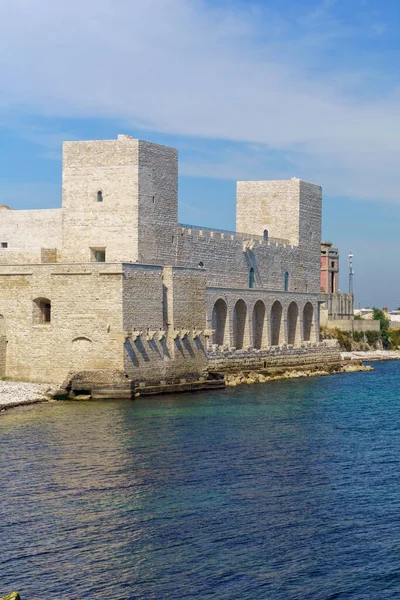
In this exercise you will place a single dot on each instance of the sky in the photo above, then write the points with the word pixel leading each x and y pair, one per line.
pixel 245 89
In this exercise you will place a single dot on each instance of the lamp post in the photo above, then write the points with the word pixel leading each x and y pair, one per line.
pixel 351 273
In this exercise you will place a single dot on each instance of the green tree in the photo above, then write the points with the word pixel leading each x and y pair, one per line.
pixel 379 315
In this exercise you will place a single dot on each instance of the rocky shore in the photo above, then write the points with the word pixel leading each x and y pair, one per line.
pixel 13 393
pixel 371 355
pixel 234 379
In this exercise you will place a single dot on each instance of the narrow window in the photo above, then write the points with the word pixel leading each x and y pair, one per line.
pixel 153 199
pixel 286 281
pixel 173 237
pixel 4 244
pixel 266 235
pixel 99 196
pixel 251 278
pixel 201 265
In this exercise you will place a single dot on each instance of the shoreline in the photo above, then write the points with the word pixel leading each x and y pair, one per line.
pixel 250 377
pixel 371 355
pixel 17 393
pixel 14 394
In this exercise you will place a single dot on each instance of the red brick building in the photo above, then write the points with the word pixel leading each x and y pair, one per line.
pixel 329 268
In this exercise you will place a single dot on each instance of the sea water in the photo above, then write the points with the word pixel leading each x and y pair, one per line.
pixel 285 490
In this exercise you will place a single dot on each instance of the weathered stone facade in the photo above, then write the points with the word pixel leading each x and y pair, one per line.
pixel 111 281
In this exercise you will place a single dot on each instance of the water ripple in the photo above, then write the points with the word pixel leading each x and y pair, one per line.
pixel 289 490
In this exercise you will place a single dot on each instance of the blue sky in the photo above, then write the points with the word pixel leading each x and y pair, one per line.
pixel 244 89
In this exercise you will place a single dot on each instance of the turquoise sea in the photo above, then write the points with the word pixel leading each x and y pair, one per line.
pixel 287 490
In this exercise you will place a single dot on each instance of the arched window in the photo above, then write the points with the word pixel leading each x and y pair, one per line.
pixel 251 278
pixel 286 281
pixel 99 196
pixel 266 235
pixel 201 265
pixel 41 311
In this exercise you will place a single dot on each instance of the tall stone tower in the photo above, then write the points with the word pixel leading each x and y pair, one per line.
pixel 120 201
pixel 290 210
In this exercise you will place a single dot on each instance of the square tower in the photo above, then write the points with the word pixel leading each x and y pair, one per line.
pixel 289 210
pixel 120 201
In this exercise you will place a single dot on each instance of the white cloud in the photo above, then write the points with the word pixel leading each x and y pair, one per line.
pixel 183 67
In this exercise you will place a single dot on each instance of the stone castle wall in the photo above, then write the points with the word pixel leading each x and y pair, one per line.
pixel 158 203
pixel 306 356
pixel 286 209
pixel 261 327
pixel 164 319
pixel 104 316
pixel 228 259
pixel 86 316
pixel 27 231
pixel 111 168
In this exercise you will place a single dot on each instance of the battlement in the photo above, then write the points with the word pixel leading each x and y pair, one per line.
pixel 232 235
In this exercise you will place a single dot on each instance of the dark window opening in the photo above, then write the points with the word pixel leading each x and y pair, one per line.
pixel 4 244
pixel 201 265
pixel 41 311
pixel 99 196
pixel 251 278
pixel 266 235
pixel 286 281
pixel 332 265
pixel 100 255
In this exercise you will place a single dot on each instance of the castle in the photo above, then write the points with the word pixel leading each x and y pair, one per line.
pixel 112 282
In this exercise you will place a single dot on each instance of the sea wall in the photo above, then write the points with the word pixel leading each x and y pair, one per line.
pixel 322 353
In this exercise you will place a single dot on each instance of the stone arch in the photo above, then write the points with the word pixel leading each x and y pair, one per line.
pixel 81 353
pixel 308 314
pixel 41 313
pixel 239 324
pixel 276 323
pixel 292 323
pixel 219 315
pixel 258 324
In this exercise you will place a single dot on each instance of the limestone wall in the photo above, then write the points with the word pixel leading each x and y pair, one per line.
pixel 352 325
pixel 3 355
pixel 86 319
pixel 286 209
pixel 227 260
pixel 268 327
pixel 27 231
pixel 111 168
pixel 164 321
pixel 158 203
pixel 307 355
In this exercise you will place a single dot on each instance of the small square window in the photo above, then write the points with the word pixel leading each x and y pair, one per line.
pixel 98 254
pixel 4 244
